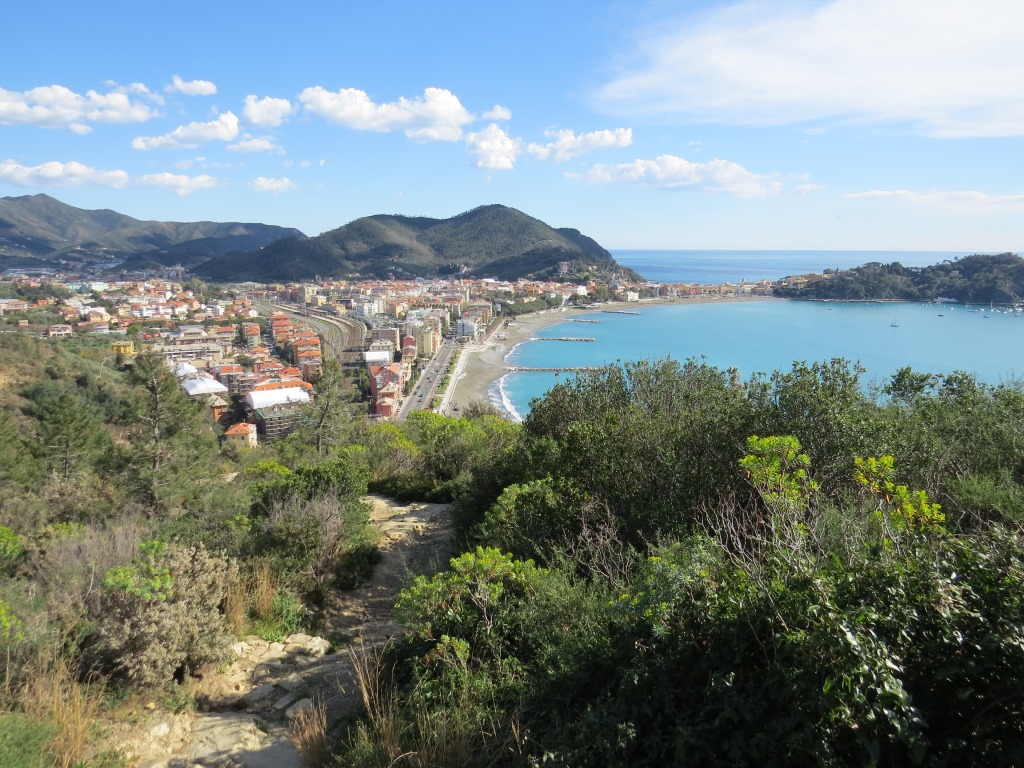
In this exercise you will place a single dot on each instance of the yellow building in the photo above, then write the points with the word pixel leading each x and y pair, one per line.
pixel 124 347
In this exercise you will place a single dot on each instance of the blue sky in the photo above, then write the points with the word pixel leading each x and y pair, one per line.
pixel 833 124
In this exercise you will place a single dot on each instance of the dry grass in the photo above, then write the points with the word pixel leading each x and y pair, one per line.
pixel 464 734
pixel 263 586
pixel 385 727
pixel 236 600
pixel 309 735
pixel 52 693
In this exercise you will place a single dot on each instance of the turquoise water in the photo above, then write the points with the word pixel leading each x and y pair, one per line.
pixel 770 335
pixel 715 267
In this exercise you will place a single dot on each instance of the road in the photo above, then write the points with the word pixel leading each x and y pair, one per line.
pixel 423 395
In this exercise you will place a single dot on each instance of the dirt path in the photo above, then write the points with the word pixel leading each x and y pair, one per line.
pixel 245 709
pixel 415 539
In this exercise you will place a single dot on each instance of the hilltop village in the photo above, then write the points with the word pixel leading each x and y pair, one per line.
pixel 251 353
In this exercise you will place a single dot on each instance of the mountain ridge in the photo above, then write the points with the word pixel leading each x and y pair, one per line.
pixel 487 241
pixel 39 229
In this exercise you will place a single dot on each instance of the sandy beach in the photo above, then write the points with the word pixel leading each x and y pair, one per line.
pixel 485 361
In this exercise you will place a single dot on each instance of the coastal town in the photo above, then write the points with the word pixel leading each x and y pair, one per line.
pixel 251 354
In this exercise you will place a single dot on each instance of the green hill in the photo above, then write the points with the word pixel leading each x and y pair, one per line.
pixel 978 279
pixel 37 229
pixel 489 241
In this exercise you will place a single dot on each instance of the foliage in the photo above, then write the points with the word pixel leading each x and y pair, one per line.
pixel 971 279
pixel 11 550
pixel 343 478
pixel 161 617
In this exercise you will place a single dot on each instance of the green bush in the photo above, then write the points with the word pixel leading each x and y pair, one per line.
pixel 160 617
pixel 286 618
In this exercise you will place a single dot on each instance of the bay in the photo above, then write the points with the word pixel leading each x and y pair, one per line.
pixel 763 336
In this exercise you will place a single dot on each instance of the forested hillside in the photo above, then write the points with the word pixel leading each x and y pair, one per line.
pixel 489 241
pixel 978 279
pixel 663 565
pixel 38 230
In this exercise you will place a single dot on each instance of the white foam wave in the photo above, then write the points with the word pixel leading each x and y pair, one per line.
pixel 510 356
pixel 499 399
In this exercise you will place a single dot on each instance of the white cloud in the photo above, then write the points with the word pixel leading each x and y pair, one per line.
pixel 54 106
pixel 498 113
pixel 139 89
pixel 268 112
pixel 494 149
pixel 54 174
pixel 263 184
pixel 669 171
pixel 192 87
pixel 179 183
pixel 224 128
pixel 804 189
pixel 567 144
pixel 966 201
pixel 254 144
pixel 948 69
pixel 436 116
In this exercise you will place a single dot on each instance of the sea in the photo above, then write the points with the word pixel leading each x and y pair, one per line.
pixel 764 336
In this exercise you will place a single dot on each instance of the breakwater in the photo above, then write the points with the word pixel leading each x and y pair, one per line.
pixel 563 338
pixel 619 312
pixel 575 369
pixel 581 320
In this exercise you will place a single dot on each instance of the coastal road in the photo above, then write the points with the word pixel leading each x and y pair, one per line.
pixel 422 397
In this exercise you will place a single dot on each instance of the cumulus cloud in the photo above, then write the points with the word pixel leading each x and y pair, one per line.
pixel 498 113
pixel 55 106
pixel 670 171
pixel 254 144
pixel 263 184
pixel 267 112
pixel 567 144
pixel 952 201
pixel 951 69
pixel 224 128
pixel 138 89
pixel 192 87
pixel 438 115
pixel 805 189
pixel 494 149
pixel 54 174
pixel 179 183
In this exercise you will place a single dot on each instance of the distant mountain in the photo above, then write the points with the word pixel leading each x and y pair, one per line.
pixel 489 241
pixel 36 230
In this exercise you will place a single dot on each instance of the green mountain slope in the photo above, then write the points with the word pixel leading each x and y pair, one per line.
pixel 490 241
pixel 39 228
pixel 977 279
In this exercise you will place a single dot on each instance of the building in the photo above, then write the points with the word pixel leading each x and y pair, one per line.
pixel 466 328
pixel 243 434
pixel 124 347
pixel 277 412
pixel 386 386
pixel 60 331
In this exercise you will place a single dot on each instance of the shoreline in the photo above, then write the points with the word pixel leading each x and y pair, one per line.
pixel 485 361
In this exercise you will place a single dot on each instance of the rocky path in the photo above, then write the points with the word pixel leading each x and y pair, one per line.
pixel 245 711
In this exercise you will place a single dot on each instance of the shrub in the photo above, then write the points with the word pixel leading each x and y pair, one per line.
pixel 160 617
pixel 11 549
